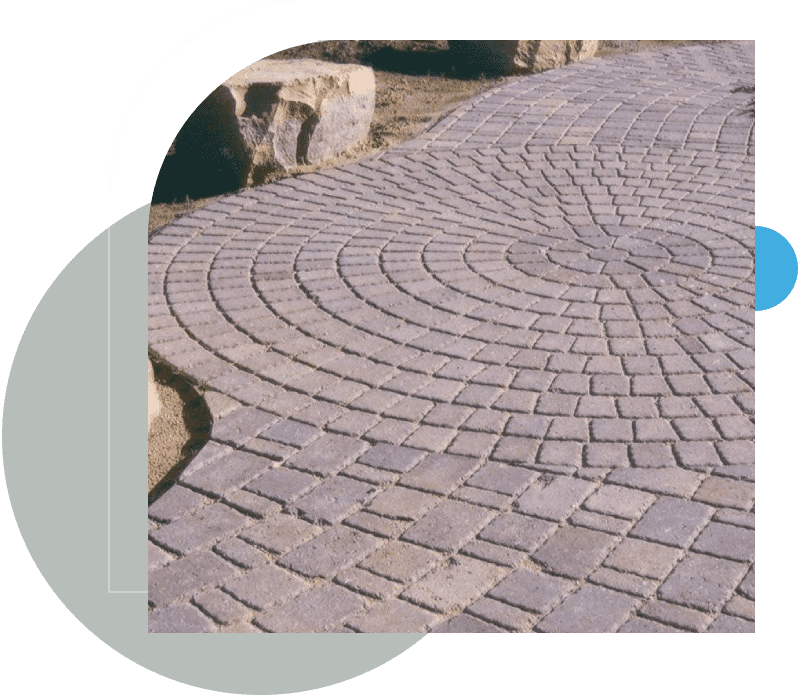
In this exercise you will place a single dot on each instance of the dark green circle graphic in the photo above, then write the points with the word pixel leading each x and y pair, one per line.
pixel 74 448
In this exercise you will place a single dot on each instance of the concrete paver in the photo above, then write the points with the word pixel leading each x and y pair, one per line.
pixel 499 378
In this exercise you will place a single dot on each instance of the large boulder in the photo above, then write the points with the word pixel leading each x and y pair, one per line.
pixel 153 401
pixel 513 57
pixel 272 116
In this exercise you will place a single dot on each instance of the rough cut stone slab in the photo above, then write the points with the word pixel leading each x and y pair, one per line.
pixel 153 401
pixel 509 57
pixel 276 114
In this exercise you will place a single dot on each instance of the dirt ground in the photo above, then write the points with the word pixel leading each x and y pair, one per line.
pixel 417 84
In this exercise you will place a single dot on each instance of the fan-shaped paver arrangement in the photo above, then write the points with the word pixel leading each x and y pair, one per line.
pixel 499 378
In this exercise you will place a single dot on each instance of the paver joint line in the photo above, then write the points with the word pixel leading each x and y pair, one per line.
pixel 498 378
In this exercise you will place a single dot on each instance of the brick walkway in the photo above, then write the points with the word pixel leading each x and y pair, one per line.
pixel 499 378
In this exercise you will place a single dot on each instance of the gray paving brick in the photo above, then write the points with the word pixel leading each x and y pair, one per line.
pixel 717 405
pixel 600 522
pixel 556 404
pixel 402 503
pixel 454 585
pixel 265 587
pixel 502 614
pixel 223 608
pixel 269 449
pixel 574 552
pixel 497 554
pixel 227 473
pixel 291 432
pixel 646 559
pixel 282 484
pixel 747 586
pixel 201 530
pixel 739 427
pixel 666 481
pixel 518 450
pixel 555 453
pixel 366 583
pixel 187 576
pixel 652 455
pixel 440 473
pixel 434 439
pixel 409 408
pixel 448 526
pixel 517 531
pixel 400 561
pixel 639 625
pixel 482 498
pixel 251 504
pixel 354 423
pixel 672 522
pixel 568 428
pixel 466 624
pixel 279 533
pixel 327 455
pixel 241 425
pixel 554 497
pixel 334 499
pixel 527 425
pixel 637 407
pixel 696 428
pixel 212 450
pixel 499 477
pixel 606 455
pixel 240 553
pixel 737 453
pixel 735 517
pixel 703 582
pixel 596 406
pixel 476 444
pixel 697 455
pixel 721 492
pixel 319 610
pixel 646 385
pixel 532 590
pixel 176 502
pixel 181 619
pixel 623 581
pixel 678 407
pixel 724 540
pixel 590 609
pixel 157 557
pixel 672 614
pixel 614 430
pixel 728 623
pixel 393 615
pixel 399 459
pixel 619 501
pixel 330 552
pixel 740 607
pixel 610 385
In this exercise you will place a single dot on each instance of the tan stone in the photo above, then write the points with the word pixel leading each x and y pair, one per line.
pixel 511 57
pixel 276 114
pixel 153 401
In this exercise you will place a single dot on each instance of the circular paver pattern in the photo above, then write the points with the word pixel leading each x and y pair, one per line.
pixel 500 378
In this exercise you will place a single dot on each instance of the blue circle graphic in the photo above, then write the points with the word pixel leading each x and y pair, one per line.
pixel 776 268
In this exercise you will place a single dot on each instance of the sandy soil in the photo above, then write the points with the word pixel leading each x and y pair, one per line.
pixel 417 85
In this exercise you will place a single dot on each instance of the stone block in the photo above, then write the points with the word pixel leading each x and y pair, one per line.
pixel 274 115
pixel 153 401
pixel 512 57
